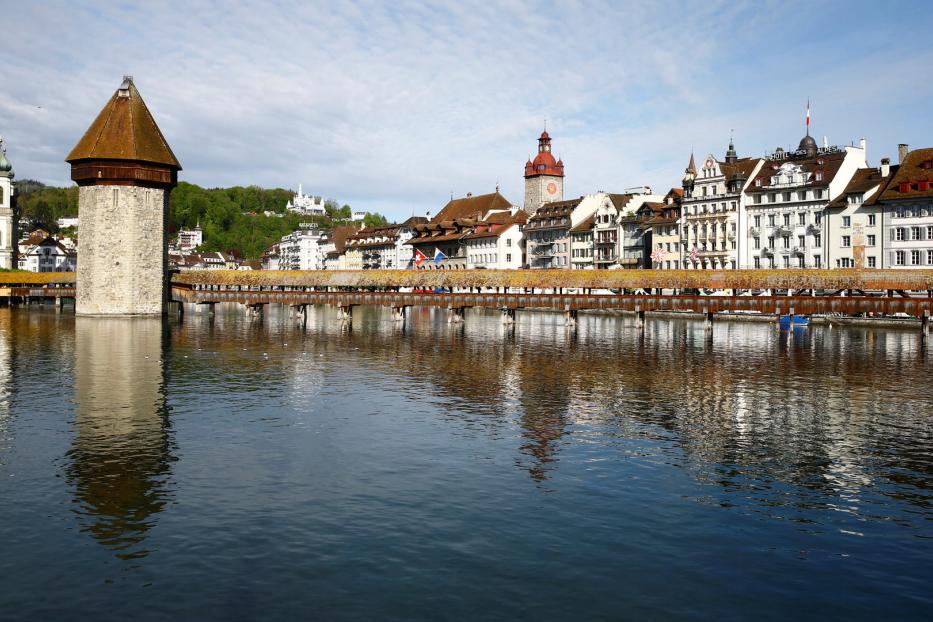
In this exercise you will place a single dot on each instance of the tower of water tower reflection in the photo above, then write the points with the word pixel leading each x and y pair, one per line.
pixel 120 460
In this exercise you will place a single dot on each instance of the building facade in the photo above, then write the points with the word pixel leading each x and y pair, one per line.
pixel 665 232
pixel 8 235
pixel 713 210
pixel 190 239
pixel 497 242
pixel 908 211
pixel 852 223
pixel 544 177
pixel 786 203
pixel 301 249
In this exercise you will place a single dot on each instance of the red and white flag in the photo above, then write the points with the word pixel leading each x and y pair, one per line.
pixel 808 113
pixel 419 257
pixel 658 254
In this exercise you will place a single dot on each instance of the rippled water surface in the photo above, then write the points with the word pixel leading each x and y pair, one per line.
pixel 222 469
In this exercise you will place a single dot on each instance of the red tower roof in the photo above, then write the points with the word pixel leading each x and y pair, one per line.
pixel 544 163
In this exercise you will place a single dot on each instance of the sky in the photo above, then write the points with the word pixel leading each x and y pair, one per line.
pixel 394 106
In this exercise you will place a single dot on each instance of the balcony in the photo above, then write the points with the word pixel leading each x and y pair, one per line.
pixel 605 242
pixel 799 250
pixel 753 231
pixel 767 252
pixel 814 229
pixel 731 235
pixel 785 251
pixel 783 230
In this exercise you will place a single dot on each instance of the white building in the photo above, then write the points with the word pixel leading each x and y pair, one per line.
pixel 305 204
pixel 908 211
pixel 852 222
pixel 301 250
pixel 38 254
pixel 190 239
pixel 497 241
pixel 786 202
pixel 713 210
pixel 67 222
pixel 7 223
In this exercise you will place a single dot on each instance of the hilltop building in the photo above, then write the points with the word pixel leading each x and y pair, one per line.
pixel 124 169
pixel 190 239
pixel 7 215
pixel 305 204
pixel 544 177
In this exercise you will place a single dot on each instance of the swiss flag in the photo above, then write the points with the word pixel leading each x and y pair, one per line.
pixel 419 257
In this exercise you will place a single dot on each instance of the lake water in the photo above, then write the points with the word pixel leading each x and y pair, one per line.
pixel 229 470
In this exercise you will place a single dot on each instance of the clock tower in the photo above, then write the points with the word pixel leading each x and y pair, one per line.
pixel 544 177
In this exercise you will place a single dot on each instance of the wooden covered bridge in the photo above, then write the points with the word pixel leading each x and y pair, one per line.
pixel 793 292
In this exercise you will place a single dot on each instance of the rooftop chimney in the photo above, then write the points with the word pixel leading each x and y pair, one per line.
pixel 885 167
pixel 901 153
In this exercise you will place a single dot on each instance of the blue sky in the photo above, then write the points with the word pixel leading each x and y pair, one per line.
pixel 392 106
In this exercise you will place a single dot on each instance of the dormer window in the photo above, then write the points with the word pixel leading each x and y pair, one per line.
pixel 904 186
pixel 818 176
pixel 923 185
pixel 758 183
pixel 928 164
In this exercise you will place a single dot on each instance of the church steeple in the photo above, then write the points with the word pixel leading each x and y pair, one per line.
pixel 731 155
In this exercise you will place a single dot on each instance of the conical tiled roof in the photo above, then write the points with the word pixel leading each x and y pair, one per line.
pixel 124 130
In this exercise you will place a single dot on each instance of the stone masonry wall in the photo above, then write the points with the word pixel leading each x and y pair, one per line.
pixel 121 250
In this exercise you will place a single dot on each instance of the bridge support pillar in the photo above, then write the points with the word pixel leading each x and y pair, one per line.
pixel 210 307
pixel 455 315
pixel 508 316
pixel 708 320
pixel 345 312
pixel 925 323
pixel 570 317
pixel 399 313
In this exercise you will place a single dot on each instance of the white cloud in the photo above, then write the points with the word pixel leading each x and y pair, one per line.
pixel 391 106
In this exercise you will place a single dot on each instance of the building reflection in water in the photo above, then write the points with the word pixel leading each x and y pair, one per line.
pixel 120 461
pixel 6 373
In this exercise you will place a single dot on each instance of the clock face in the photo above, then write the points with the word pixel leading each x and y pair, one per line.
pixel 551 188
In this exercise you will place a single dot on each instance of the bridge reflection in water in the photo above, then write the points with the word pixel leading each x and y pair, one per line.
pixel 120 459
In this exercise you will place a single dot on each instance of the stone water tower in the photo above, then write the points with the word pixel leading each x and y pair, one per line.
pixel 125 170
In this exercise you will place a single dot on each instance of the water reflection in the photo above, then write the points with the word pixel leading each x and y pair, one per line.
pixel 6 377
pixel 120 460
